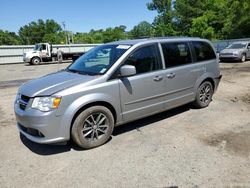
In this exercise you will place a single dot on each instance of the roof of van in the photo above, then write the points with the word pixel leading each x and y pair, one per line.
pixel 156 39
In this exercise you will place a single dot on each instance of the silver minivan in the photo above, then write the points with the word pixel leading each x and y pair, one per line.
pixel 116 83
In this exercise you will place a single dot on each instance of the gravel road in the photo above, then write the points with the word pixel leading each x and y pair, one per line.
pixel 183 147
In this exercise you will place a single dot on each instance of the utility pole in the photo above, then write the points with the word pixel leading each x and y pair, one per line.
pixel 66 38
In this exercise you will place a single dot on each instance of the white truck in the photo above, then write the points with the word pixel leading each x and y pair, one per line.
pixel 45 52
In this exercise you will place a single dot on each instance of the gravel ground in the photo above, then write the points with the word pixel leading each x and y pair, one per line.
pixel 183 147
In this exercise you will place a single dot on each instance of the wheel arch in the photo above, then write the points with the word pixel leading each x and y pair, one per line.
pixel 209 79
pixel 96 103
pixel 205 77
pixel 31 60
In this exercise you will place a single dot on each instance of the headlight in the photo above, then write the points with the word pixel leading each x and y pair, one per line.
pixel 46 104
pixel 236 53
pixel 18 96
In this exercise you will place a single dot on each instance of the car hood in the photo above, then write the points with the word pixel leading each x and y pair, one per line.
pixel 53 83
pixel 231 50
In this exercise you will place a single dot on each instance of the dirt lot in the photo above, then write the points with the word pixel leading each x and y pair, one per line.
pixel 183 147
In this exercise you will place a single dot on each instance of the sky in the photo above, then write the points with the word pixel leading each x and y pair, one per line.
pixel 78 15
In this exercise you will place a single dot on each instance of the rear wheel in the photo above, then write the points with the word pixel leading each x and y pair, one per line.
pixel 35 61
pixel 204 95
pixel 93 127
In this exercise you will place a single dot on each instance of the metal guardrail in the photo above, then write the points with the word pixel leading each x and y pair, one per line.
pixel 14 54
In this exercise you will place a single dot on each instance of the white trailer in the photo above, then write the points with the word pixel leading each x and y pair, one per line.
pixel 45 52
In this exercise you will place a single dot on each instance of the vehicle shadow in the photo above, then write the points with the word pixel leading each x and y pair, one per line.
pixel 48 149
pixel 136 125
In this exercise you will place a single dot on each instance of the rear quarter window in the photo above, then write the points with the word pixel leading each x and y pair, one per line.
pixel 203 51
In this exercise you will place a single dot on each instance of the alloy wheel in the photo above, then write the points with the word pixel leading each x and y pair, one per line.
pixel 95 126
pixel 205 94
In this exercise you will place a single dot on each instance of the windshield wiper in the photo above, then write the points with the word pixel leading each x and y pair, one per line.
pixel 76 71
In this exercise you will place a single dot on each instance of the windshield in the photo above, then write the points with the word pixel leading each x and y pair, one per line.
pixel 98 60
pixel 237 46
pixel 36 47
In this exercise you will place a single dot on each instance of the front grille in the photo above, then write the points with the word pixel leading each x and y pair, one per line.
pixel 227 53
pixel 23 102
pixel 31 131
pixel 22 106
pixel 25 98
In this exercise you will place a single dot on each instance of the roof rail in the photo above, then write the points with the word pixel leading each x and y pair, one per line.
pixel 166 37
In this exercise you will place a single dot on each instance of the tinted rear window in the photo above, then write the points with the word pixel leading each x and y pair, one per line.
pixel 176 54
pixel 203 51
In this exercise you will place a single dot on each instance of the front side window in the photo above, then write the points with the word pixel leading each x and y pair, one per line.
pixel 176 54
pixel 145 59
pixel 36 47
pixel 203 51
pixel 98 60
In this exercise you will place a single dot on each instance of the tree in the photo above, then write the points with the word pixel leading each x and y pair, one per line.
pixel 213 19
pixel 102 36
pixel 239 22
pixel 200 28
pixel 114 34
pixel 8 38
pixel 164 22
pixel 143 29
pixel 40 31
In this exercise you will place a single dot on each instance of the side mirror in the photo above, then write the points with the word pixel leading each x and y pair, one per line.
pixel 127 70
pixel 248 47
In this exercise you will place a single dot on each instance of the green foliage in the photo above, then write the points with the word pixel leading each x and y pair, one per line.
pixel 211 19
pixel 102 36
pixel 240 18
pixel 8 38
pixel 40 31
pixel 200 28
pixel 163 23
pixel 143 29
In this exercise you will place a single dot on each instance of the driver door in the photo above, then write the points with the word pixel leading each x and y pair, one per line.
pixel 143 93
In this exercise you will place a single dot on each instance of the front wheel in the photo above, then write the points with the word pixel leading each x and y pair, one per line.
pixel 93 127
pixel 243 58
pixel 35 61
pixel 203 95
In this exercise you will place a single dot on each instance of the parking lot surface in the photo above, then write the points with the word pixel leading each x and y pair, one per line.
pixel 183 147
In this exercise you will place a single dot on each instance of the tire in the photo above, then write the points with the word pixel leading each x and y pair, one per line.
pixel 243 58
pixel 92 127
pixel 35 61
pixel 203 95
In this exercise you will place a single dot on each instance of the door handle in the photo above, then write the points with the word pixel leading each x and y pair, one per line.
pixel 158 78
pixel 171 75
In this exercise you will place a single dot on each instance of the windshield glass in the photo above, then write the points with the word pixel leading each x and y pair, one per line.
pixel 237 46
pixel 36 47
pixel 98 60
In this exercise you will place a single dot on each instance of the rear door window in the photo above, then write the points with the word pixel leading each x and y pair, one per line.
pixel 203 51
pixel 176 54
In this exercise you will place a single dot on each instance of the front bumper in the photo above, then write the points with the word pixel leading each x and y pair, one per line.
pixel 40 127
pixel 229 58
pixel 26 59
